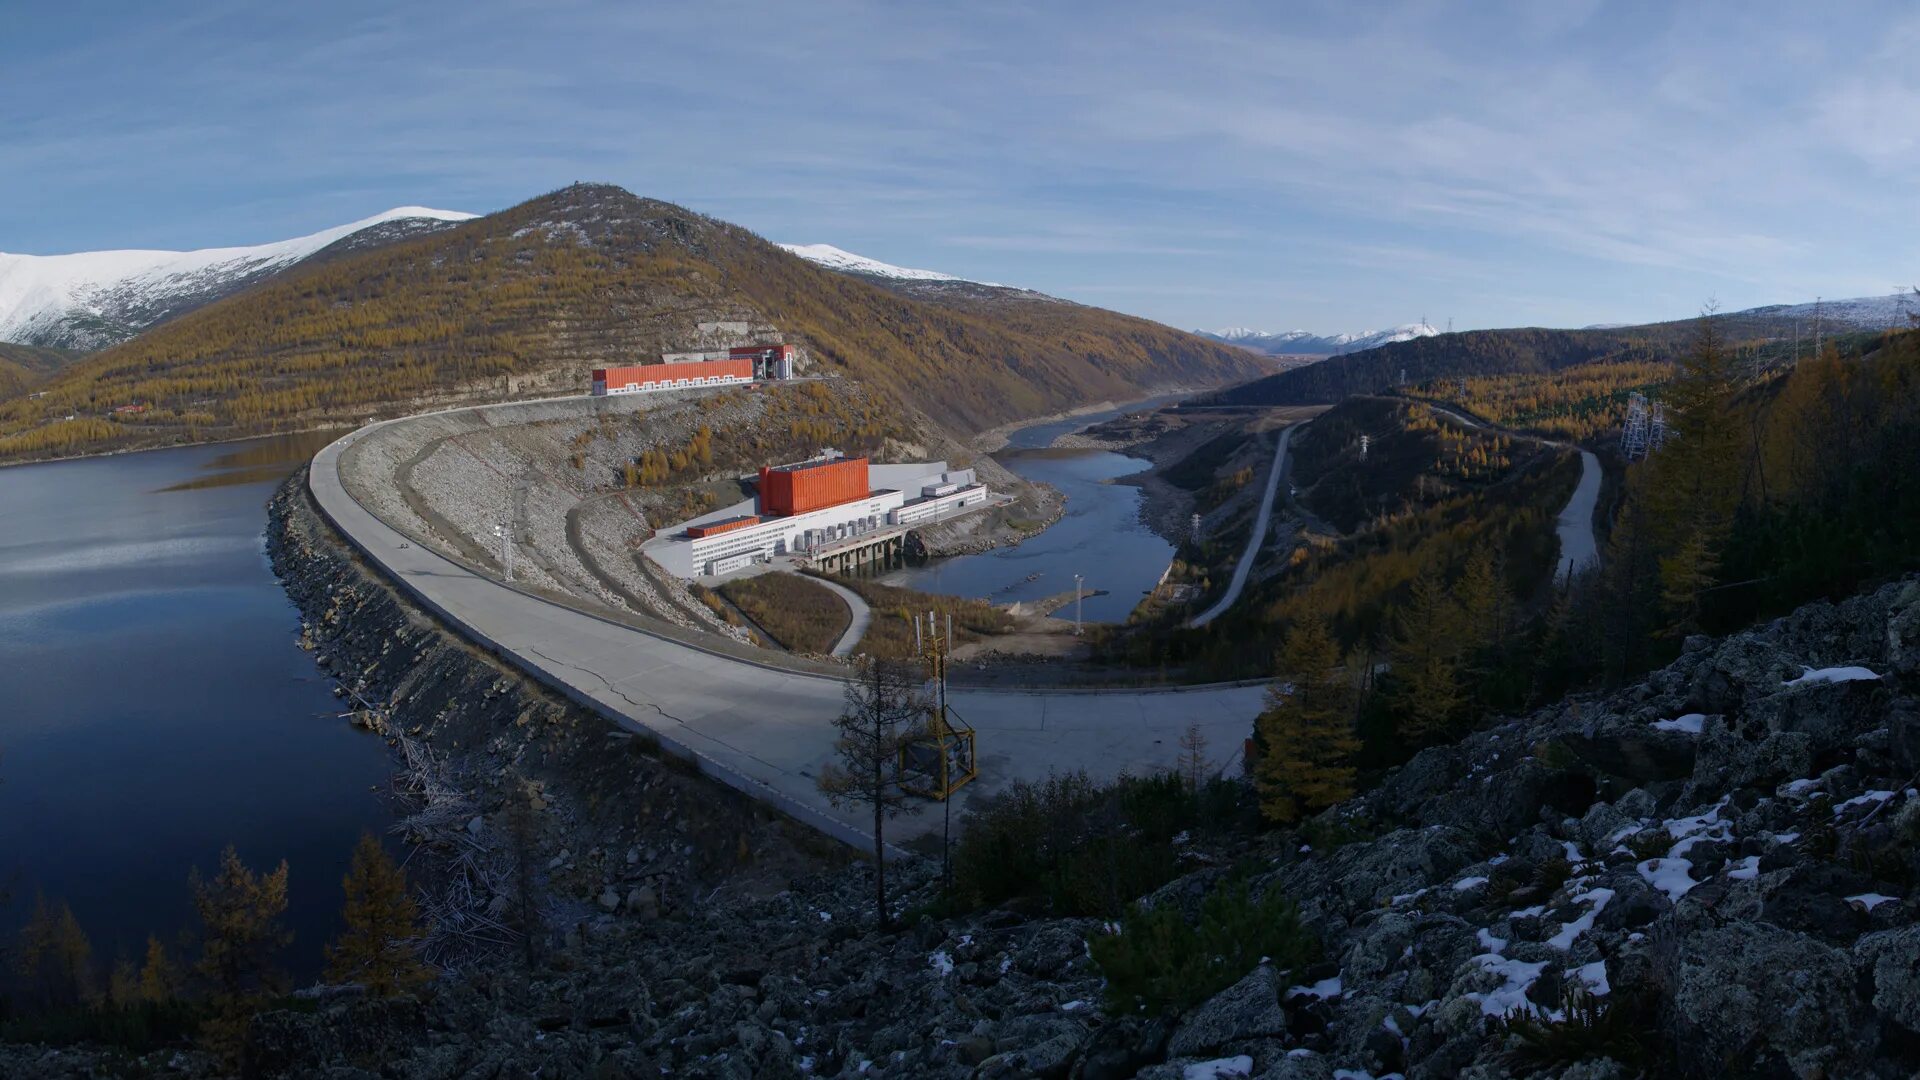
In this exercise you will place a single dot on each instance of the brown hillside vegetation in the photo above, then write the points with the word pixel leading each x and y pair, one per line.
pixel 22 366
pixel 531 298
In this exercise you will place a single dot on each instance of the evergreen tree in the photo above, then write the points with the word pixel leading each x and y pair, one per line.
pixel 1305 733
pixel 1692 485
pixel 380 947
pixel 1426 660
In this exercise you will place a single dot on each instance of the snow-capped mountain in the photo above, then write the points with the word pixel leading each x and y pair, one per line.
pixel 1856 313
pixel 847 262
pixel 93 299
pixel 1307 343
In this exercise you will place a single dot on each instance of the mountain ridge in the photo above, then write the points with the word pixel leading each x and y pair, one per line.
pixel 93 299
pixel 1307 343
pixel 525 301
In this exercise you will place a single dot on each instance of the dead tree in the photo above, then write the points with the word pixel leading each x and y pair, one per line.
pixel 885 711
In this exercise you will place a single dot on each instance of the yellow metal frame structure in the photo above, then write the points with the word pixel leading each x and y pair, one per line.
pixel 944 759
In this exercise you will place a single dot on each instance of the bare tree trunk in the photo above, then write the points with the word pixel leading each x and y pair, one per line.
pixel 879 869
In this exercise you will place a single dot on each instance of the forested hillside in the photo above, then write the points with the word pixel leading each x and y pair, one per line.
pixel 1754 338
pixel 529 299
pixel 23 366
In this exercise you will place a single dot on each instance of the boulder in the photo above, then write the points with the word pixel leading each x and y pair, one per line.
pixel 1890 960
pixel 1249 1009
pixel 1750 991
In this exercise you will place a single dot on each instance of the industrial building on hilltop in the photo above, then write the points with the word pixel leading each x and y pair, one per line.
pixel 691 371
pixel 830 511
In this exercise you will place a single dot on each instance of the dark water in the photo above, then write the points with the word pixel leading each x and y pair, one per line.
pixel 153 704
pixel 1101 537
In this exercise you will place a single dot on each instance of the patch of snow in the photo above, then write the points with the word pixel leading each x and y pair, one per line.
pixel 1532 912
pixel 847 262
pixel 1870 900
pixel 1799 787
pixel 1466 883
pixel 1569 931
pixel 1862 800
pixel 1511 996
pixel 1785 837
pixel 1498 859
pixel 941 963
pixel 1747 870
pixel 1669 875
pixel 1689 723
pixel 1573 851
pixel 1494 945
pixel 1595 976
pixel 1324 989
pixel 1240 1065
pixel 1402 898
pixel 1070 1006
pixel 825 916
pixel 1832 675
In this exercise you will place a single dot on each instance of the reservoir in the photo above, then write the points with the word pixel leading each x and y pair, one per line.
pixel 154 706
pixel 1101 537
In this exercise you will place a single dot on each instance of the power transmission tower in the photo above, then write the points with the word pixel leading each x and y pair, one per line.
pixel 1364 441
pixel 1636 433
pixel 1076 604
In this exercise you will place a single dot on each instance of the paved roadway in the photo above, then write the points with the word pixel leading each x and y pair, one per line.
pixel 1259 537
pixel 1578 548
pixel 861 617
pixel 762 729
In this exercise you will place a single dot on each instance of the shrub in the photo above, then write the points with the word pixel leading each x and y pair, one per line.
pixel 1157 961
pixel 1082 848
pixel 1588 1028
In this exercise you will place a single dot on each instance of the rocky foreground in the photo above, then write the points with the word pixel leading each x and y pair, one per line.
pixel 1709 873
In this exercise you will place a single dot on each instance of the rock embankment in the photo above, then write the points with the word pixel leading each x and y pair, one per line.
pixel 616 817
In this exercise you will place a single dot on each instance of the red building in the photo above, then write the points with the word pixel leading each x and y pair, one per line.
pixel 632 380
pixel 786 490
pixel 715 528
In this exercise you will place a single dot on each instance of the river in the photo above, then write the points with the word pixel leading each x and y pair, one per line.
pixel 154 706
pixel 1100 537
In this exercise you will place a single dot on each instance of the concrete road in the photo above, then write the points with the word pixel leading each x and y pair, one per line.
pixel 767 731
pixel 1578 548
pixel 1259 537
pixel 862 617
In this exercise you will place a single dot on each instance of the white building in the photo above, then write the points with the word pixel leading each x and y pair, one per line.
pixel 726 547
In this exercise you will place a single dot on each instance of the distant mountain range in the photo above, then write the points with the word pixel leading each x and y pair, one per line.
pixel 90 300
pixel 1422 358
pixel 1307 343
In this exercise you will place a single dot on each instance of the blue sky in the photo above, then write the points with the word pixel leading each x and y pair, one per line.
pixel 1336 166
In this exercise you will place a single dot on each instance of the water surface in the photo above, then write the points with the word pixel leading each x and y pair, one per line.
pixel 1101 537
pixel 153 704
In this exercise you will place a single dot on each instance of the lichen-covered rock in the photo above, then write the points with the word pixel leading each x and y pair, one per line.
pixel 1249 1009
pixel 1750 990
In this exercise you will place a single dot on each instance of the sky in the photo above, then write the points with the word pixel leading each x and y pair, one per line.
pixel 1325 166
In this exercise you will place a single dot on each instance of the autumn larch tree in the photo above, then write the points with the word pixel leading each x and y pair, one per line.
pixel 55 959
pixel 241 936
pixel 380 948
pixel 884 713
pixel 1306 734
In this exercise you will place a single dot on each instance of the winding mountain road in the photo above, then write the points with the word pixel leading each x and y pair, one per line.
pixel 1574 526
pixel 763 729
pixel 1259 537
